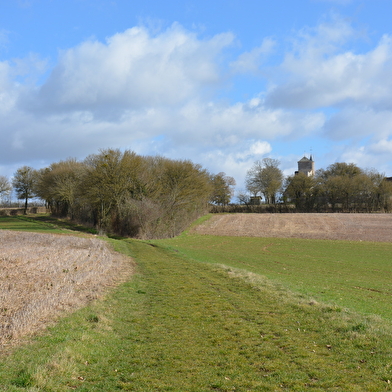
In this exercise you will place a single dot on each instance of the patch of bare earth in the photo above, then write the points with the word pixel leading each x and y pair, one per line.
pixel 354 227
pixel 42 276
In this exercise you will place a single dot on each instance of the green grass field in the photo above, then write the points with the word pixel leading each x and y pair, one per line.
pixel 42 223
pixel 355 275
pixel 223 314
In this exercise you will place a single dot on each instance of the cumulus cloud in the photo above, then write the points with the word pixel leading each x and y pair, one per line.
pixel 131 70
pixel 353 89
pixel 382 147
pixel 321 73
pixel 157 94
pixel 357 122
pixel 212 125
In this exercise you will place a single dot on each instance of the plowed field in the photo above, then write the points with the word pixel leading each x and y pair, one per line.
pixel 354 227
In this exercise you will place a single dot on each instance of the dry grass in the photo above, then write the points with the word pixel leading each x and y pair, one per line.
pixel 354 227
pixel 44 275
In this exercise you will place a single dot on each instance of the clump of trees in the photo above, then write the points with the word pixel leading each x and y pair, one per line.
pixel 125 193
pixel 341 187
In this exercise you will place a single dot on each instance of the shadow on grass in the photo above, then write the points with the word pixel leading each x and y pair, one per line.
pixel 42 222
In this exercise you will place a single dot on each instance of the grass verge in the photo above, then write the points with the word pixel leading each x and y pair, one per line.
pixel 184 324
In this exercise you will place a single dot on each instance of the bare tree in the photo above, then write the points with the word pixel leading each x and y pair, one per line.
pixel 24 182
pixel 265 178
pixel 5 186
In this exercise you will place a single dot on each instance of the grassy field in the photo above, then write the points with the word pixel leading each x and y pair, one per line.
pixel 198 316
pixel 355 275
pixel 42 223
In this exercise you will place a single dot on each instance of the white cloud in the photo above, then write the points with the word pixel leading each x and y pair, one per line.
pixel 320 75
pixel 132 70
pixel 237 159
pixel 217 125
pixel 382 147
pixel 157 94
pixel 366 158
pixel 358 122
pixel 252 60
pixel 260 148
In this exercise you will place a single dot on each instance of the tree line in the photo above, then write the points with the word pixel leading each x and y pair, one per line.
pixel 124 193
pixel 340 187
pixel 155 197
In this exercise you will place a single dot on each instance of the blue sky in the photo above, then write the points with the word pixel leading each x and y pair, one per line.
pixel 223 83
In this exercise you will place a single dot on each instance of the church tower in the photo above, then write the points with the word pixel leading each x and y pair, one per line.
pixel 306 166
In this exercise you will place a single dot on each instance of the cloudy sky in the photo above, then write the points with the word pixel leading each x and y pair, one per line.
pixel 221 82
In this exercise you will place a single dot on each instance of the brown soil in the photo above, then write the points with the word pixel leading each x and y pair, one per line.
pixel 42 276
pixel 354 227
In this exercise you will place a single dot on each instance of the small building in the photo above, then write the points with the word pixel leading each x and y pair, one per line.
pixel 255 200
pixel 306 166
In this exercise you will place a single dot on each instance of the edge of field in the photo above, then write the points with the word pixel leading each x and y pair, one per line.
pixel 194 326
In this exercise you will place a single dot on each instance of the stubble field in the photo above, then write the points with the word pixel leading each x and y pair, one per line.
pixel 353 227
pixel 44 275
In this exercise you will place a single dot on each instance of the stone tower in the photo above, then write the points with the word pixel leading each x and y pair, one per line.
pixel 306 166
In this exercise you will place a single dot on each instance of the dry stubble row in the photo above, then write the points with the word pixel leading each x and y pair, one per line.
pixel 44 275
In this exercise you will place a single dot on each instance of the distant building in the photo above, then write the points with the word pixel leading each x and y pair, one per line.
pixel 306 166
pixel 255 200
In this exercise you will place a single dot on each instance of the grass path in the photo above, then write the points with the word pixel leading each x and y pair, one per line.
pixel 183 326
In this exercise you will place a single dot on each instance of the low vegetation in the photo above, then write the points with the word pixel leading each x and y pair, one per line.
pixel 43 276
pixel 207 313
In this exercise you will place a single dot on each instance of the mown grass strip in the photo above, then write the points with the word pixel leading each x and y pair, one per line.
pixel 182 325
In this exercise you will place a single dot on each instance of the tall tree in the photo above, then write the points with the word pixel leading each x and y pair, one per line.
pixel 24 183
pixel 265 178
pixel 5 186
pixel 300 189
pixel 109 178
pixel 59 186
pixel 222 189
pixel 339 183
